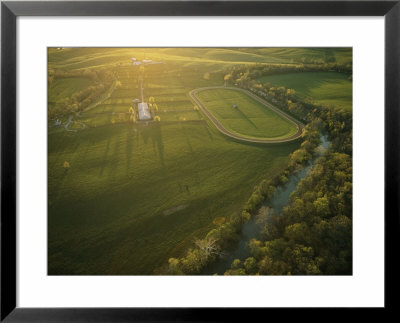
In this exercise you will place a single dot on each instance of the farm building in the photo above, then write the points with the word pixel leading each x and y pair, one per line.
pixel 144 113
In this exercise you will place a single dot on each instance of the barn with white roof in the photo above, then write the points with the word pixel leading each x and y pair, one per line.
pixel 144 112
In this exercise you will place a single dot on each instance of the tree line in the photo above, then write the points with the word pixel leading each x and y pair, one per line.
pixel 313 235
pixel 241 74
pixel 225 236
pixel 102 80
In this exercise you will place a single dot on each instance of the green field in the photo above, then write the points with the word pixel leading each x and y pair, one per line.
pixel 76 58
pixel 62 88
pixel 327 88
pixel 136 194
pixel 111 212
pixel 308 54
pixel 249 118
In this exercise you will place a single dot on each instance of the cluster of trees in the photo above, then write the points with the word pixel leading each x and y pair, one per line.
pixel 266 189
pixel 225 236
pixel 207 250
pixel 333 120
pixel 242 74
pixel 314 234
pixel 98 75
pixel 154 109
pixel 102 80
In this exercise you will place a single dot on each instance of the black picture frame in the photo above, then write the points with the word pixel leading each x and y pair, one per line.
pixel 10 10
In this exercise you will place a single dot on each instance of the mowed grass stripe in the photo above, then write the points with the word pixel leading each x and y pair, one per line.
pixel 250 118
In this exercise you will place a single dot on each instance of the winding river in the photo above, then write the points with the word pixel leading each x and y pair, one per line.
pixel 252 229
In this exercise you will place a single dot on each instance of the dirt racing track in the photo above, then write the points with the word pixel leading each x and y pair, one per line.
pixel 222 129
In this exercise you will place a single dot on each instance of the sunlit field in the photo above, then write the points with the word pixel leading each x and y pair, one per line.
pixel 125 195
pixel 243 115
pixel 327 88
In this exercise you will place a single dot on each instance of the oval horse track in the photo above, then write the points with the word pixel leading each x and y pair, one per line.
pixel 226 132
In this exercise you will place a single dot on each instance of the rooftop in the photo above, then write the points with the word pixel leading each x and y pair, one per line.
pixel 144 113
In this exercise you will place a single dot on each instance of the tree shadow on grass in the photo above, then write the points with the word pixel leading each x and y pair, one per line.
pixel 105 157
pixel 129 146
pixel 153 132
pixel 187 137
pixel 210 135
pixel 245 117
pixel 115 153
pixel 54 193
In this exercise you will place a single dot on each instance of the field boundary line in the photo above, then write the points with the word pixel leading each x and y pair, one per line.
pixel 228 133
pixel 105 97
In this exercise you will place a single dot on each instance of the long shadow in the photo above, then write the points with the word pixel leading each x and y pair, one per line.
pixel 105 157
pixel 129 146
pixel 245 117
pixel 206 127
pixel 55 191
pixel 153 132
pixel 115 153
pixel 83 155
pixel 75 148
pixel 145 132
pixel 187 138
pixel 158 141
pixel 209 132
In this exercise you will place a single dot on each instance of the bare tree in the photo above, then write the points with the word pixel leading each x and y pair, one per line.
pixel 209 246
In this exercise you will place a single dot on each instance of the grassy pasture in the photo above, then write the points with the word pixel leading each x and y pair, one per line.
pixel 62 88
pixel 135 195
pixel 65 87
pixel 250 118
pixel 299 55
pixel 108 214
pixel 324 87
pixel 216 58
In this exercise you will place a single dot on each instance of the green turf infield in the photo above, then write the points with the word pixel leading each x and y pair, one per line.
pixel 243 115
pixel 136 194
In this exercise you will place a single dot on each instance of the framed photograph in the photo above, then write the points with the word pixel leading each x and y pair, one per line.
pixel 197 160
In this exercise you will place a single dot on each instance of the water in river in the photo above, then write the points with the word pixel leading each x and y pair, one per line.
pixel 252 229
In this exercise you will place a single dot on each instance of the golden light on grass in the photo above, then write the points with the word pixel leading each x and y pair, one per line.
pixel 219 220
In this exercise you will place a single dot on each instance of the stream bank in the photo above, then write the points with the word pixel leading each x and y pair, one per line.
pixel 253 228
